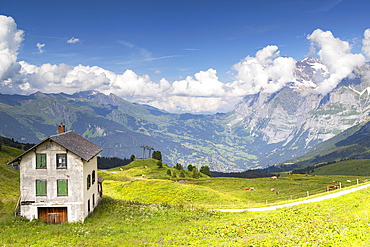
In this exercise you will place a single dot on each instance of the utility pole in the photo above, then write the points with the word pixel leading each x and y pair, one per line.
pixel 150 150
pixel 143 146
pixel 147 148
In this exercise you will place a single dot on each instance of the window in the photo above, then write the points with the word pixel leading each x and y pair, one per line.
pixel 40 187
pixel 93 200
pixel 40 161
pixel 88 181
pixel 61 161
pixel 62 187
pixel 88 206
pixel 93 177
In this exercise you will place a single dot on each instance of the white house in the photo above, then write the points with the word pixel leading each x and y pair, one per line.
pixel 58 178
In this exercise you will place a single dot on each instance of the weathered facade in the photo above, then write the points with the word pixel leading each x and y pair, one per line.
pixel 58 179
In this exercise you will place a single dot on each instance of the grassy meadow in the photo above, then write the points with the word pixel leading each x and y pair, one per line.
pixel 127 183
pixel 154 211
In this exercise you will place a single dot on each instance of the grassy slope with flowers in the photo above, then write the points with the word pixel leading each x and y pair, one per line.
pixel 341 221
pixel 127 183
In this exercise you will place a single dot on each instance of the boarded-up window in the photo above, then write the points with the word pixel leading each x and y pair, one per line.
pixel 62 187
pixel 93 177
pixel 40 161
pixel 41 187
pixel 88 181
pixel 61 161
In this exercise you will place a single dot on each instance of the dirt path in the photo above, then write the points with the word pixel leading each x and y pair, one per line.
pixel 317 199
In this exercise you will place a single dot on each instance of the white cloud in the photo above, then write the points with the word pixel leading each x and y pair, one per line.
pixel 40 46
pixel 266 72
pixel 158 72
pixel 366 43
pixel 125 43
pixel 73 40
pixel 336 55
pixel 10 41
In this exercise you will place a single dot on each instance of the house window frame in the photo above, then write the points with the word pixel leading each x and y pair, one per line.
pixel 88 181
pixel 66 180
pixel 43 154
pixel 57 161
pixel 46 186
pixel 93 177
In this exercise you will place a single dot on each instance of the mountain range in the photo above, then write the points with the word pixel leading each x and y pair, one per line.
pixel 262 130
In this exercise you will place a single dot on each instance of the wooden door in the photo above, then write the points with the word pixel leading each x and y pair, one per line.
pixel 53 215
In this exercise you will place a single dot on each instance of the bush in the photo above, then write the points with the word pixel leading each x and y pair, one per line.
pixel 195 173
pixel 132 157
pixel 169 172
pixel 19 146
pixel 160 164
pixel 205 170
pixel 174 174
pixel 179 166
pixel 182 174
pixel 1 146
pixel 190 167
pixel 157 155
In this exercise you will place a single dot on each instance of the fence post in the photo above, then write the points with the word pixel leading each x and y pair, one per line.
pixel 248 204
pixel 357 181
pixel 266 202
pixel 308 194
pixel 220 204
pixel 340 185
pixel 191 204
pixel 203 204
pixel 291 197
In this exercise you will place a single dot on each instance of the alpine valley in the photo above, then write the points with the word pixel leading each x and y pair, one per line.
pixel 261 131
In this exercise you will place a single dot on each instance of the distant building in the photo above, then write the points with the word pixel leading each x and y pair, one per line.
pixel 58 178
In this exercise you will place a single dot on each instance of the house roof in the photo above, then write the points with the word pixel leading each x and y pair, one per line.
pixel 71 141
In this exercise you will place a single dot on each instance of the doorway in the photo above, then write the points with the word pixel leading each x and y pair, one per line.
pixel 53 215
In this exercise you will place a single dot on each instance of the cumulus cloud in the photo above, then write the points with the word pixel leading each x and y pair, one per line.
pixel 266 72
pixel 40 46
pixel 366 43
pixel 336 55
pixel 10 41
pixel 73 40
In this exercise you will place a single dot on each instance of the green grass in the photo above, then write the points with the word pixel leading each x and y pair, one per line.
pixel 351 167
pixel 9 181
pixel 341 221
pixel 127 183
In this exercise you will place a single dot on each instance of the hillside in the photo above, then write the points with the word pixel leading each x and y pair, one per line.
pixel 354 167
pixel 143 181
pixel 350 144
pixel 125 223
pixel 9 181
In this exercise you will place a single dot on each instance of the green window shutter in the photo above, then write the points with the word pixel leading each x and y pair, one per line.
pixel 40 160
pixel 62 187
pixel 41 187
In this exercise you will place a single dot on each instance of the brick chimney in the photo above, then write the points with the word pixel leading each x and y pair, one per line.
pixel 61 128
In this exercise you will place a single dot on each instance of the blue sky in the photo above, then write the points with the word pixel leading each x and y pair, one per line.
pixel 173 39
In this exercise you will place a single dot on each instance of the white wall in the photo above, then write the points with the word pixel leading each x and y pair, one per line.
pixel 88 168
pixel 75 173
